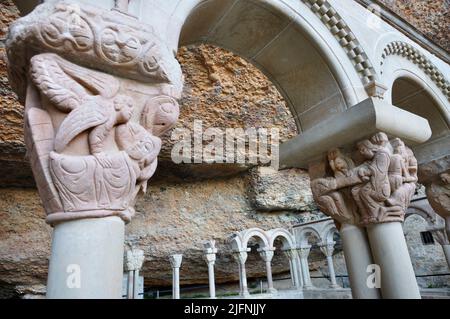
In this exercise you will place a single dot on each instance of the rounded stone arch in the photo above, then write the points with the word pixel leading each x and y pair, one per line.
pixel 256 233
pixel 428 216
pixel 328 232
pixel 287 239
pixel 288 42
pixel 415 84
pixel 235 242
pixel 304 234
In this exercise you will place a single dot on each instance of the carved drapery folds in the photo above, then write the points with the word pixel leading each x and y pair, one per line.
pixel 375 185
pixel 92 137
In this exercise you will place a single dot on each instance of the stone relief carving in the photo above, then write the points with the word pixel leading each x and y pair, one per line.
pixel 108 40
pixel 92 137
pixel 377 190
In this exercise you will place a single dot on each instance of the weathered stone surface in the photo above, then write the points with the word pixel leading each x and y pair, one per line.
pixel 171 218
pixel 432 18
pixel 284 190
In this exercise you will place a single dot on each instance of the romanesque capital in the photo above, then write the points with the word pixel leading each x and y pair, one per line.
pixel 210 251
pixel 240 257
pixel 303 251
pixel 99 88
pixel 266 254
pixel 291 254
pixel 175 260
pixel 435 175
pixel 327 248
pixel 374 186
pixel 134 259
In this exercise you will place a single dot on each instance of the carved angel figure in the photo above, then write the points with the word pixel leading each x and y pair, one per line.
pixel 94 160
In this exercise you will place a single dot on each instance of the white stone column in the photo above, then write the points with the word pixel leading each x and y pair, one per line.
pixel 267 255
pixel 175 262
pixel 87 259
pixel 133 263
pixel 241 258
pixel 210 258
pixel 358 257
pixel 327 249
pixel 303 251
pixel 299 270
pixel 390 252
pixel 292 255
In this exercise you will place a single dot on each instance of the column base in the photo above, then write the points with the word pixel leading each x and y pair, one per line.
pixel 334 286
pixel 244 295
pixel 87 259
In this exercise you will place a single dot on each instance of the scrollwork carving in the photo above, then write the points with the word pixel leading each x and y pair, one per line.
pixel 92 37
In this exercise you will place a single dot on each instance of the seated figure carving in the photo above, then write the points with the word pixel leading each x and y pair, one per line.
pixel 94 160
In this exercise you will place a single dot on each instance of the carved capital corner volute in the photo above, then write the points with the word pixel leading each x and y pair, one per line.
pixel 99 88
pixel 373 183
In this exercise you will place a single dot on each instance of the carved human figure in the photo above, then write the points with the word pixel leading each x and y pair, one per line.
pixel 330 194
pixel 86 108
pixel 375 189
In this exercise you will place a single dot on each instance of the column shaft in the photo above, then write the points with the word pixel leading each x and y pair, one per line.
pixel 87 259
pixel 176 283
pixel 357 257
pixel 390 252
pixel 212 285
pixel 332 273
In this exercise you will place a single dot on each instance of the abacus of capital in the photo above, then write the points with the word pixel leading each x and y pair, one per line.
pixel 91 135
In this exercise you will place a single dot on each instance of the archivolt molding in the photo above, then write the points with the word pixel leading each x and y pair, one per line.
pixel 409 52
pixel 346 38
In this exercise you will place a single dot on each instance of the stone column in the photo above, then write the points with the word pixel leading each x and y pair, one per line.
pixel 327 249
pixel 241 258
pixel 210 258
pixel 358 257
pixel 133 263
pixel 292 255
pixel 91 135
pixel 175 262
pixel 267 255
pixel 299 269
pixel 303 252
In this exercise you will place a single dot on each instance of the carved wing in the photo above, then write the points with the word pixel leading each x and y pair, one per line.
pixel 79 120
pixel 66 84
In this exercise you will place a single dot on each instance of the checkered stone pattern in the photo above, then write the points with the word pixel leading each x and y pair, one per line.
pixel 346 38
pixel 412 54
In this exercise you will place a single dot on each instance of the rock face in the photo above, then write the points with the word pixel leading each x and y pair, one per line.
pixel 432 18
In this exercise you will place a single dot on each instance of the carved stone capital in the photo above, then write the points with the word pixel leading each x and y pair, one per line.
pixel 91 135
pixel 327 248
pixel 240 257
pixel 374 185
pixel 134 259
pixel 291 254
pixel 175 260
pixel 266 254
pixel 303 251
